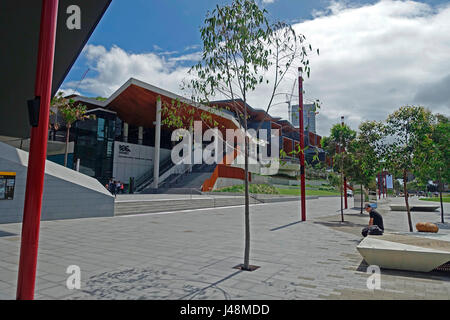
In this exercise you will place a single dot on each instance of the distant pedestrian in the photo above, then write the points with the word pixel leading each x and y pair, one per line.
pixel 111 186
pixel 121 187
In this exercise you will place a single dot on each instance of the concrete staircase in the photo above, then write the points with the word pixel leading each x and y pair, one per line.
pixel 187 183
pixel 141 206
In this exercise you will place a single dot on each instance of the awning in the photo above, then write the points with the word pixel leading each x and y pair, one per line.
pixel 19 31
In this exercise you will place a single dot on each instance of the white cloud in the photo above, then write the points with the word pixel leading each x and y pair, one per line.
pixel 115 66
pixel 376 58
pixel 373 59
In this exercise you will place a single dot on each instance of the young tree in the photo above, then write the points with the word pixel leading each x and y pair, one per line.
pixel 241 52
pixel 434 159
pixel 364 155
pixel 70 112
pixel 405 132
pixel 341 135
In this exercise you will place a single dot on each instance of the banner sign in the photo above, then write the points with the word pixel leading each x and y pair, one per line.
pixel 7 184
pixel 389 182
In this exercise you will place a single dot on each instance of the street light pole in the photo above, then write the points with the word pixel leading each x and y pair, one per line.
pixel 302 146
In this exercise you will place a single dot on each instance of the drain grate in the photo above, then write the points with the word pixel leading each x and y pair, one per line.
pixel 445 267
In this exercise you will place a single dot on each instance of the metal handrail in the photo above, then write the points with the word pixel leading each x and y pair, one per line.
pixel 147 178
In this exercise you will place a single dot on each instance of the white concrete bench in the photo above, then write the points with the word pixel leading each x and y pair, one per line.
pixel 412 251
pixel 414 207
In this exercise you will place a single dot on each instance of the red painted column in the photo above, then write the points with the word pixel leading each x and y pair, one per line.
pixel 379 186
pixel 345 193
pixel 37 156
pixel 385 183
pixel 302 146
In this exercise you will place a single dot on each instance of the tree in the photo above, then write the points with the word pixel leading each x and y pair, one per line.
pixel 405 132
pixel 341 135
pixel 241 50
pixel 70 112
pixel 364 155
pixel 434 159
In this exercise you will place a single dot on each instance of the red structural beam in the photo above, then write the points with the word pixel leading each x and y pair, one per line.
pixel 345 193
pixel 379 186
pixel 37 156
pixel 302 146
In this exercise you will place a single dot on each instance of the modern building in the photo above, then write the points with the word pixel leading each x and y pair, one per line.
pixel 309 117
pixel 129 140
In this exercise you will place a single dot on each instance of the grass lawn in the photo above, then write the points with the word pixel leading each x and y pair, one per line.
pixel 296 192
pixel 437 199
pixel 253 188
pixel 268 189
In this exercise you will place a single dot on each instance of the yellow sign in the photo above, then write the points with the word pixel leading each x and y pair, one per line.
pixel 7 173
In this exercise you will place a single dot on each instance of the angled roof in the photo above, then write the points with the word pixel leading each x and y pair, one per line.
pixel 135 103
pixel 257 114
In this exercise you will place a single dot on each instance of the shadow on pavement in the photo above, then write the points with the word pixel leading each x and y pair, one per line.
pixel 433 275
pixel 6 234
pixel 286 225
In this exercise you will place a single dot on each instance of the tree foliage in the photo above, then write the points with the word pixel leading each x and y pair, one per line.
pixel 240 50
pixel 434 156
pixel 71 112
pixel 405 131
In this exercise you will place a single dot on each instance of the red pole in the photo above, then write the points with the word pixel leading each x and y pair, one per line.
pixel 345 192
pixel 385 183
pixel 38 150
pixel 302 145
pixel 379 187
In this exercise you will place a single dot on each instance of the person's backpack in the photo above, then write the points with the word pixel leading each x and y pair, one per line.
pixel 375 230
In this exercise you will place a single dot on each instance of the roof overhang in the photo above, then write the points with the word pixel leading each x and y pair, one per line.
pixel 19 31
pixel 135 103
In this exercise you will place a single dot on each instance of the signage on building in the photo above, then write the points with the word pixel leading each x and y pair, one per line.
pixel 131 160
pixel 134 160
pixel 124 149
pixel 7 184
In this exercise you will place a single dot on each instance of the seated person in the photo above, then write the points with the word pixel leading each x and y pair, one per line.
pixel 375 222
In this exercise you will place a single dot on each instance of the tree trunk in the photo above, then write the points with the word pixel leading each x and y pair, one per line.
pixel 361 198
pixel 342 198
pixel 345 193
pixel 66 153
pixel 441 186
pixel 342 182
pixel 442 205
pixel 247 199
pixel 405 190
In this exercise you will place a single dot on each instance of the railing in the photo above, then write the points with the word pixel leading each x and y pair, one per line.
pixel 147 178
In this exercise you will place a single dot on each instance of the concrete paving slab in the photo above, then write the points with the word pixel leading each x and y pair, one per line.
pixel 155 257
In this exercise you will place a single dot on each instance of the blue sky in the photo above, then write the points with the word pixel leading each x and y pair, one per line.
pixel 154 41
pixel 172 25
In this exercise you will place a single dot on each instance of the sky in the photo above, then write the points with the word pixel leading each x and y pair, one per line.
pixel 375 56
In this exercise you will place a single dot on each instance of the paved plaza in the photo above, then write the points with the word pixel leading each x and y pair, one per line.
pixel 191 254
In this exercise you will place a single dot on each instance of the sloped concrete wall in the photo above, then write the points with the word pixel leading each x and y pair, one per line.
pixel 67 194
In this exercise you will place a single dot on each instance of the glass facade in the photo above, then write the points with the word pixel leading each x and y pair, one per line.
pixel 94 144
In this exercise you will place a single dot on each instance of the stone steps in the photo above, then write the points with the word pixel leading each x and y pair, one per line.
pixel 153 206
